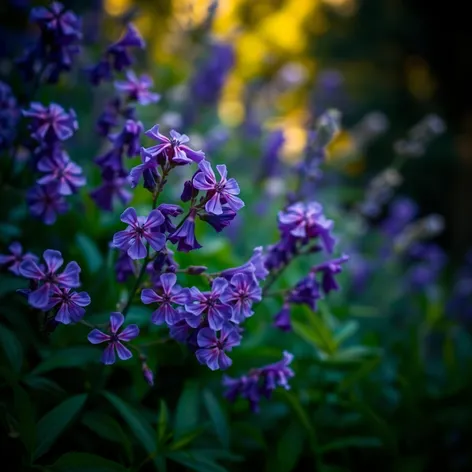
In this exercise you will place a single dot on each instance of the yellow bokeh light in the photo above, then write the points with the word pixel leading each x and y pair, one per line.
pixel 231 113
pixel 116 7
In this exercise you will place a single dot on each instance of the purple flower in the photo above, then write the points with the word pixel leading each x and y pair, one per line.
pixel 9 114
pixel 55 19
pixel 329 269
pixel 306 221
pixel 270 161
pixel 115 339
pixel 212 348
pixel 173 148
pixel 306 292
pixel 119 50
pixel 282 319
pixel 401 212
pixel 147 374
pixel 242 292
pixel 219 222
pixel 184 237
pixel 39 298
pixel 108 119
pixel 147 169
pixel 100 71
pixel 169 294
pixel 138 88
pixel 211 304
pixel 61 171
pixel 168 211
pixel 181 330
pixel 221 192
pixel 15 258
pixel 51 123
pixel 124 267
pixel 140 229
pixel 46 203
pixel 260 382
pixel 70 304
pixel 113 187
pixel 254 267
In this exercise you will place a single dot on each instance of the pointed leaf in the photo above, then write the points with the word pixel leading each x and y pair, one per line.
pixel 81 462
pixel 52 424
pixel 69 357
pixel 12 348
pixel 92 255
pixel 187 411
pixel 218 417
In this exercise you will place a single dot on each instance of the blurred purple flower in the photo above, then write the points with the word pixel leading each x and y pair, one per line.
pixel 15 258
pixel 260 382
pixel 39 298
pixel 210 304
pixel 221 192
pixel 51 123
pixel 253 267
pixel 306 292
pixel 46 203
pixel 329 269
pixel 282 319
pixel 113 187
pixel 9 115
pixel 243 290
pixel 140 230
pixel 168 211
pixel 138 89
pixel 118 51
pixel 219 222
pixel 124 267
pixel 115 339
pixel 169 294
pixel 62 172
pixel 212 348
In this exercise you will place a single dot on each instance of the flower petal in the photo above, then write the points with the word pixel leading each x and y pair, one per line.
pixel 116 320
pixel 137 250
pixel 218 286
pixel 70 277
pixel 156 240
pixel 123 352
pixel 224 361
pixel 129 216
pixel 207 338
pixel 53 260
pixel 122 239
pixel 40 297
pixel 155 218
pixel 31 270
pixel 214 205
pixel 108 356
pixel 150 296
pixel 208 357
pixel 168 280
pixel 96 337
pixel 129 333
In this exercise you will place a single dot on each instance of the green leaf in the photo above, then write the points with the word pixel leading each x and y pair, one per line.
pixel 187 411
pixel 42 383
pixel 83 462
pixel 10 283
pixel 25 414
pixel 162 422
pixel 108 428
pixel 346 331
pixel 52 424
pixel 196 461
pixel 70 357
pixel 218 418
pixel 92 255
pixel 186 439
pixel 288 450
pixel 355 441
pixel 141 430
pixel 12 347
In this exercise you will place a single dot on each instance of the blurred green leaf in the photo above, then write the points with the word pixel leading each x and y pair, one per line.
pixel 12 348
pixel 25 414
pixel 53 423
pixel 218 417
pixel 84 462
pixel 10 283
pixel 187 438
pixel 92 255
pixel 70 357
pixel 162 422
pixel 355 441
pixel 108 428
pixel 141 430
pixel 288 449
pixel 42 383
pixel 346 331
pixel 195 460
pixel 187 410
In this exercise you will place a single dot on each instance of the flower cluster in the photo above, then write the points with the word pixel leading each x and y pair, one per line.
pixel 50 289
pixel 118 121
pixel 54 51
pixel 49 127
pixel 260 382
pixel 9 115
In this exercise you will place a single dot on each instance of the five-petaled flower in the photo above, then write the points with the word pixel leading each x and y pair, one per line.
pixel 221 192
pixel 40 297
pixel 139 231
pixel 169 294
pixel 15 258
pixel 212 348
pixel 71 304
pixel 173 148
pixel 138 88
pixel 243 290
pixel 115 339
pixel 209 303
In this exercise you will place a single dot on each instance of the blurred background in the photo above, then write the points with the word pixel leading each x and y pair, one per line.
pixel 402 58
